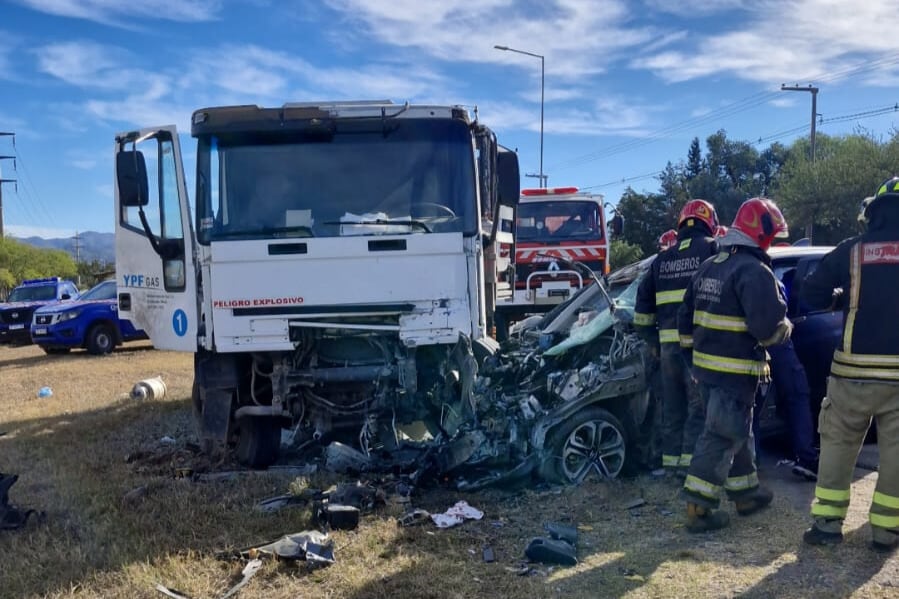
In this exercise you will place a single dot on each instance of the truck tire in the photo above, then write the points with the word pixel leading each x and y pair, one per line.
pixel 100 340
pixel 590 442
pixel 258 441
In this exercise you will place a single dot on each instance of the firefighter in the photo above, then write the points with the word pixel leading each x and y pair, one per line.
pixel 658 297
pixel 667 239
pixel 861 274
pixel 794 394
pixel 732 310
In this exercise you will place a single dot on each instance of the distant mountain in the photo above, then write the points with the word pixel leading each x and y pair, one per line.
pixel 94 246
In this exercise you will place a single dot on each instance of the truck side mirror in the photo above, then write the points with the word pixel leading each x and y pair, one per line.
pixel 509 177
pixel 616 225
pixel 131 177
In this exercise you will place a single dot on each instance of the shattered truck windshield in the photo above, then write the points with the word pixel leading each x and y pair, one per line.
pixel 370 177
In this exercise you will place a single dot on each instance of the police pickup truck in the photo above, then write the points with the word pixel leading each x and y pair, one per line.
pixel 92 322
pixel 15 314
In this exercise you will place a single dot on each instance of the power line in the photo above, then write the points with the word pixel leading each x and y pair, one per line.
pixel 723 112
pixel 32 193
pixel 772 137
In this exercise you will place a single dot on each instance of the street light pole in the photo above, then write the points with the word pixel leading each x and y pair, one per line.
pixel 814 92
pixel 541 176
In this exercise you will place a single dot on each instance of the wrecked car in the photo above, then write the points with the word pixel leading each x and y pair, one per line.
pixel 563 400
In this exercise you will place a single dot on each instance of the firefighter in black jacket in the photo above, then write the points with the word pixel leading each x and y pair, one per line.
pixel 861 274
pixel 731 311
pixel 658 297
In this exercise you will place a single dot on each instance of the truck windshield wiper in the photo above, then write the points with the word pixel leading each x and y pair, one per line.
pixel 304 230
pixel 381 221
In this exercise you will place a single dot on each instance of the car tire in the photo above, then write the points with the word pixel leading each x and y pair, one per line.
pixel 56 351
pixel 591 442
pixel 258 441
pixel 100 340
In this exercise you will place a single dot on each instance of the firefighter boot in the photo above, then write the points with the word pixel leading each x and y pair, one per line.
pixel 821 536
pixel 759 499
pixel 702 519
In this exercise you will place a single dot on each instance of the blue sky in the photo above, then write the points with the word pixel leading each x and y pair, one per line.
pixel 628 83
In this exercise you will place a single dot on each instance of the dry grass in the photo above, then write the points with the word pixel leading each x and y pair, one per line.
pixel 70 451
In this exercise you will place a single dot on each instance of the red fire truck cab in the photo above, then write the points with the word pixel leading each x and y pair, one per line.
pixel 553 224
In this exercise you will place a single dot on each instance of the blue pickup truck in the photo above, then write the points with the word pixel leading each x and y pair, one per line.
pixel 16 312
pixel 91 322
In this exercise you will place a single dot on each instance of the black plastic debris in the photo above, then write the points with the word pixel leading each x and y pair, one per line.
pixel 309 545
pixel 342 517
pixel 551 551
pixel 562 532
pixel 560 548
pixel 11 517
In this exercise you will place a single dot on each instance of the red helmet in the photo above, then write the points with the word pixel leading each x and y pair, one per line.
pixel 667 239
pixel 698 210
pixel 720 231
pixel 761 219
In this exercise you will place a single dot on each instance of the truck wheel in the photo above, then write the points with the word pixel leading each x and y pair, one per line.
pixel 100 340
pixel 592 442
pixel 258 441
pixel 56 351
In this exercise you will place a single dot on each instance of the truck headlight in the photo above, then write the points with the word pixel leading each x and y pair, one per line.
pixel 64 316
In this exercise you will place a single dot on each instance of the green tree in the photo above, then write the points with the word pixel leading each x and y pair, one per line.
pixel 19 261
pixel 694 160
pixel 829 191
pixel 646 216
pixel 622 253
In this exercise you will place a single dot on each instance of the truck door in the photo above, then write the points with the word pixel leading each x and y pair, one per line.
pixel 155 270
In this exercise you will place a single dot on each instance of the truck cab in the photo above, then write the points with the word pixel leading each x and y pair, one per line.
pixel 332 275
pixel 31 294
pixel 555 227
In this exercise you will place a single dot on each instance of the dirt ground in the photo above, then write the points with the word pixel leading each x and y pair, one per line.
pixel 118 521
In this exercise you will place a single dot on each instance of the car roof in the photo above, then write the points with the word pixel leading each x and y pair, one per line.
pixel 798 251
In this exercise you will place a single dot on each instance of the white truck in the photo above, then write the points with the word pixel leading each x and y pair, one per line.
pixel 335 276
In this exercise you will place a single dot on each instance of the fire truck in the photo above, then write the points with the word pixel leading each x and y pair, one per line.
pixel 554 227
pixel 334 275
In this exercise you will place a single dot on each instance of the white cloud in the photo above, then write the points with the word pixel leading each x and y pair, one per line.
pixel 785 40
pixel 120 92
pixel 105 190
pixel 609 116
pixel 91 65
pixel 22 231
pixel 83 164
pixel 577 37
pixel 254 72
pixel 784 102
pixel 119 12
pixel 694 8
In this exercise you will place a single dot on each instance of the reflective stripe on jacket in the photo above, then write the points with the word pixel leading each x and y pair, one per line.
pixel 867 269
pixel 732 305
pixel 662 289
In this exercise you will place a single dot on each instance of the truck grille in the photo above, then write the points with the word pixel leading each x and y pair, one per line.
pixel 43 318
pixel 522 270
pixel 16 316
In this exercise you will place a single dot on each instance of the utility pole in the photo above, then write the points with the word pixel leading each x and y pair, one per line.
pixel 814 91
pixel 543 178
pixel 77 242
pixel 2 180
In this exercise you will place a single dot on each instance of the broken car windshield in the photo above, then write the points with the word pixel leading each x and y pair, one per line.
pixel 418 179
